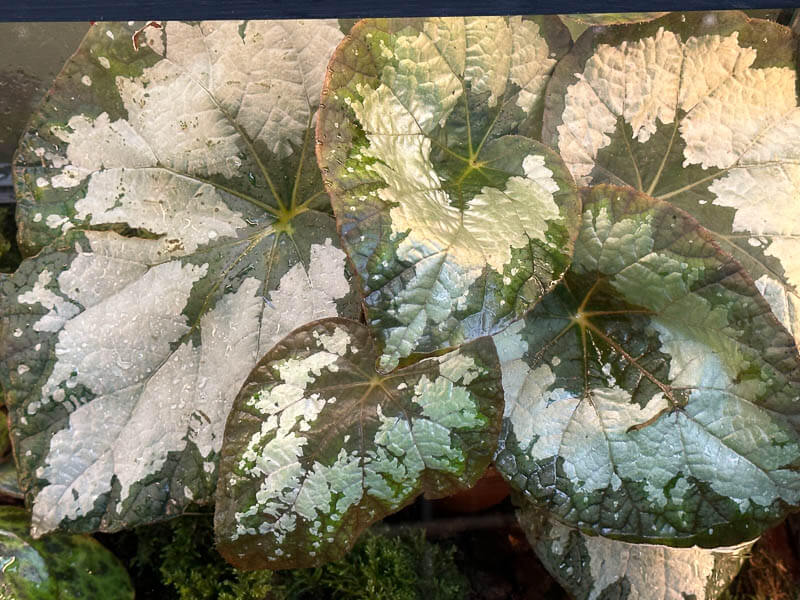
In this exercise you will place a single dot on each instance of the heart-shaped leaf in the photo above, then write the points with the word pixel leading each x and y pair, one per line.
pixel 592 567
pixel 456 222
pixel 652 396
pixel 700 109
pixel 319 445
pixel 183 183
pixel 59 567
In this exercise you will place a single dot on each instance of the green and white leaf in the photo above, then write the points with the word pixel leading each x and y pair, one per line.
pixel 700 109
pixel 652 396
pixel 184 186
pixel 60 567
pixel 319 445
pixel 594 567
pixel 456 221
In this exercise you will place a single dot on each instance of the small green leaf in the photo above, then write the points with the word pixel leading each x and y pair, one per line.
pixel 171 194
pixel 652 396
pixel 319 445
pixel 456 222
pixel 591 567
pixel 58 567
pixel 8 480
pixel 699 109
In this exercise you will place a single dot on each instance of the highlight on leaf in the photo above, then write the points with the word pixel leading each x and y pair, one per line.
pixel 173 200
pixel 456 220
pixel 319 445
pixel 699 109
pixel 652 396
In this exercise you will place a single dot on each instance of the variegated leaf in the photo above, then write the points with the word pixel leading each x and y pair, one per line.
pixel 699 109
pixel 319 445
pixel 170 193
pixel 652 396
pixel 457 223
pixel 594 567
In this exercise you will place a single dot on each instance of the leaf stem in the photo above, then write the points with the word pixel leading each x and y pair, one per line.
pixel 657 177
pixel 246 197
pixel 469 128
pixel 662 386
pixel 488 131
pixel 689 186
pixel 588 295
pixel 300 165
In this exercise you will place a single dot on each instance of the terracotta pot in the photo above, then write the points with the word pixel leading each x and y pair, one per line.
pixel 491 489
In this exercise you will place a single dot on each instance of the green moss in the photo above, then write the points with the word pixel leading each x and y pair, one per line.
pixel 181 555
pixel 192 567
pixel 384 568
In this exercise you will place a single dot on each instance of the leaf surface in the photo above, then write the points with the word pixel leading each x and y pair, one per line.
pixel 594 567
pixel 60 567
pixel 8 480
pixel 457 221
pixel 652 396
pixel 699 109
pixel 171 195
pixel 613 18
pixel 319 445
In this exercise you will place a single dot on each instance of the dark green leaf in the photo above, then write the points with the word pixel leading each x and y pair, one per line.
pixel 8 480
pixel 58 567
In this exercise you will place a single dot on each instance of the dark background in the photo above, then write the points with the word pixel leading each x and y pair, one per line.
pixel 122 10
